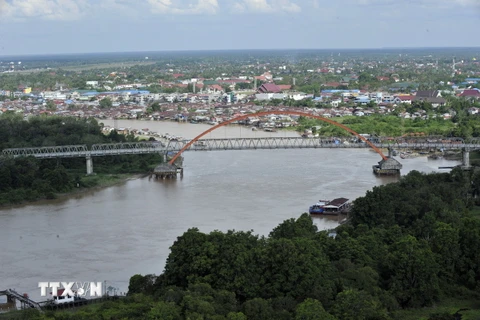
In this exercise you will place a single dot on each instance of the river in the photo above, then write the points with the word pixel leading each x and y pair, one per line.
pixel 111 234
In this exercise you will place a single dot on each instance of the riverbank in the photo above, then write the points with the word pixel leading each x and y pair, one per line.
pixel 97 182
pixel 91 184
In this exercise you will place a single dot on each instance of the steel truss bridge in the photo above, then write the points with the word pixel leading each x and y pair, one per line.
pixel 113 149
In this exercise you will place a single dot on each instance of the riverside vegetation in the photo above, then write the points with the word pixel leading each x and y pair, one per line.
pixel 27 179
pixel 462 125
pixel 410 251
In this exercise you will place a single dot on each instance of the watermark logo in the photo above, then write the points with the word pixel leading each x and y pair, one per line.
pixel 94 289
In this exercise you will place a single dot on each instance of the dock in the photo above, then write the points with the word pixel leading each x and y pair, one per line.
pixel 167 171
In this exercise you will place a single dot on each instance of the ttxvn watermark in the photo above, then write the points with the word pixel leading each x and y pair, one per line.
pixel 76 288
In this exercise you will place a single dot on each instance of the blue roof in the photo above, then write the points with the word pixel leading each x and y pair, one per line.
pixel 130 92
pixel 91 93
pixel 339 91
pixel 94 93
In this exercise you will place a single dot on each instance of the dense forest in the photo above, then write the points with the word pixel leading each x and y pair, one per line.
pixel 409 249
pixel 27 178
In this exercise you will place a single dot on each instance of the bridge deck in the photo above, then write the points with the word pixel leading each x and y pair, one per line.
pixel 98 150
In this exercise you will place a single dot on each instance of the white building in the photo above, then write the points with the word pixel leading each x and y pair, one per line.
pixel 270 96
pixel 93 84
pixel 54 95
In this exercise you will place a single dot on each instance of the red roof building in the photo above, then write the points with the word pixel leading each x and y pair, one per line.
pixel 285 86
pixel 470 93
pixel 269 88
pixel 215 87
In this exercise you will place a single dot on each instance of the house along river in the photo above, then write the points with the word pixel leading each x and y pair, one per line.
pixel 111 234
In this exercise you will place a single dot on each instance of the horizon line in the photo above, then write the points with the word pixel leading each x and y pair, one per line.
pixel 233 50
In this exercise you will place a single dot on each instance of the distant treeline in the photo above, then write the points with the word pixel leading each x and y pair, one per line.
pixel 408 245
pixel 27 179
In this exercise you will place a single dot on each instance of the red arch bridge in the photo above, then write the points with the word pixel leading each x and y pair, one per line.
pixel 174 147
pixel 386 165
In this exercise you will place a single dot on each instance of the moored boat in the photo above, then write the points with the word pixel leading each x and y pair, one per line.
pixel 330 207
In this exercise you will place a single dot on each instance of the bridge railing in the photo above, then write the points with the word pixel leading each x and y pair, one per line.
pixel 127 148
pixel 271 143
pixel 298 143
pixel 49 152
pixel 107 149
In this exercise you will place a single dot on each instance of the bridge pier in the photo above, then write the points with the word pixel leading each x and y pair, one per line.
pixel 89 165
pixel 466 159
pixel 388 166
pixel 167 171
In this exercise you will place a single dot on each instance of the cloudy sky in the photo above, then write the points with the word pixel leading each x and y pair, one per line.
pixel 77 26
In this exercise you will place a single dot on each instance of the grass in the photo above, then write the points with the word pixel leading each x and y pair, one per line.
pixel 98 181
pixel 105 180
pixel 449 306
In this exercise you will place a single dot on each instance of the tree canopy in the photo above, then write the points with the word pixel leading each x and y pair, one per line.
pixel 407 245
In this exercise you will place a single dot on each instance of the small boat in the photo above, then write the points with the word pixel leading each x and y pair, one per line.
pixel 405 155
pixel 330 207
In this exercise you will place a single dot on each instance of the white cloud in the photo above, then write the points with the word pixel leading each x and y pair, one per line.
pixel 424 3
pixel 266 6
pixel 44 9
pixel 187 7
pixel 75 9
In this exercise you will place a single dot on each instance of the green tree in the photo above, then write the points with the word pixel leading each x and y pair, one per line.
pixel 298 268
pixel 164 311
pixel 468 264
pixel 445 244
pixel 155 106
pixel 358 305
pixel 105 103
pixel 141 284
pixel 236 316
pixel 412 272
pixel 51 106
pixel 312 309
pixel 258 309
pixel 303 227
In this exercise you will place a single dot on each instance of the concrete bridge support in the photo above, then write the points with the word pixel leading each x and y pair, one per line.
pixel 466 158
pixel 388 166
pixel 89 165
